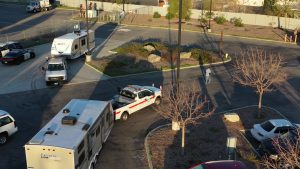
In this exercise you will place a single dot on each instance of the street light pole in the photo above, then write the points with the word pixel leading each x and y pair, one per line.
pixel 179 43
pixel 87 26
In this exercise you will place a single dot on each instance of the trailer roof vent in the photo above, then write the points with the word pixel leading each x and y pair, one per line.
pixel 66 111
pixel 50 132
pixel 69 120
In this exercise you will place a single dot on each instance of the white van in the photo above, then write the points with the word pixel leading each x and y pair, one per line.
pixel 73 45
pixel 73 138
pixel 7 126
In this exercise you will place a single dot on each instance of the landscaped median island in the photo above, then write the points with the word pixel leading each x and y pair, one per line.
pixel 207 141
pixel 138 57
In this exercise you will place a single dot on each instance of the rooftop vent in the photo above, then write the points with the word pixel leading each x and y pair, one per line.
pixel 66 111
pixel 69 120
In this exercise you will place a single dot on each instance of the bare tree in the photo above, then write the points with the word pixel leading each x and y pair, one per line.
pixel 185 105
pixel 288 152
pixel 258 69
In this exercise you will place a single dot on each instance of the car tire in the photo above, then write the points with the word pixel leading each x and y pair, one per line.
pixel 32 55
pixel 19 61
pixel 47 83
pixel 34 11
pixel 125 116
pixel 3 139
pixel 157 101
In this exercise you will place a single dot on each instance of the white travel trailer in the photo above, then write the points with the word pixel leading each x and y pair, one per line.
pixel 73 138
pixel 72 45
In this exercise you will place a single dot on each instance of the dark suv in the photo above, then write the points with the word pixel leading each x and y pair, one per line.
pixel 8 46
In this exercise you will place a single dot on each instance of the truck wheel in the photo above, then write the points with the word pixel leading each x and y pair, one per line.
pixel 124 116
pixel 34 11
pixel 157 101
pixel 3 139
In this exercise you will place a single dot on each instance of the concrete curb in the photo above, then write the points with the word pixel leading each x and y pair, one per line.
pixel 220 113
pixel 147 145
pixel 166 70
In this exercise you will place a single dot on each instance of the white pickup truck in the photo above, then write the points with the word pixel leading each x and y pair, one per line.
pixel 134 98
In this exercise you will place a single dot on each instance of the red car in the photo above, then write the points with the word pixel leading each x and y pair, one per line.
pixel 224 164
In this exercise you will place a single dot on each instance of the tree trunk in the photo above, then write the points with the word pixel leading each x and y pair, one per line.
pixel 259 105
pixel 182 139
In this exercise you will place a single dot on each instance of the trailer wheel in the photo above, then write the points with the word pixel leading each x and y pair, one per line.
pixel 3 138
pixel 124 116
pixel 157 101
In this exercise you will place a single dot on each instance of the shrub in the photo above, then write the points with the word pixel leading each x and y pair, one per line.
pixel 202 56
pixel 237 22
pixel 170 16
pixel 156 15
pixel 203 20
pixel 209 15
pixel 220 19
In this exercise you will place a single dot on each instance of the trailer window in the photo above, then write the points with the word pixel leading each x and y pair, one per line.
pixel 82 42
pixel 97 131
pixel 80 147
pixel 76 46
pixel 81 158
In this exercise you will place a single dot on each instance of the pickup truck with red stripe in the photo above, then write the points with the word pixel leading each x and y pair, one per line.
pixel 134 98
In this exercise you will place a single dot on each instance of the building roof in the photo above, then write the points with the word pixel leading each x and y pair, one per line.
pixel 69 136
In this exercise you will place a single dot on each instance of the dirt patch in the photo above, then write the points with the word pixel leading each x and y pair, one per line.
pixel 253 31
pixel 206 141
pixel 133 58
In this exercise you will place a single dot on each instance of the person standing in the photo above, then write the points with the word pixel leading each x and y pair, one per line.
pixel 207 76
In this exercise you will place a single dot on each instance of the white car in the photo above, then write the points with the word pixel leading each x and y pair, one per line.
pixel 134 98
pixel 7 126
pixel 272 128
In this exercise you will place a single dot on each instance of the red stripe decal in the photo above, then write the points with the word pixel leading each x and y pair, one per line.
pixel 141 102
pixel 117 113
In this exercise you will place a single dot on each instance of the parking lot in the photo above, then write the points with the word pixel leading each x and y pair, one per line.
pixel 30 76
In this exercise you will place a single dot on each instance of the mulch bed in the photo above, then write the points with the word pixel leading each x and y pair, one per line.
pixel 206 141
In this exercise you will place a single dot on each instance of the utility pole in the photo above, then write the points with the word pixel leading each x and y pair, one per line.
pixel 179 43
pixel 87 27
pixel 123 5
pixel 209 14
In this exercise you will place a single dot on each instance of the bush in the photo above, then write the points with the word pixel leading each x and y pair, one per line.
pixel 220 19
pixel 237 22
pixel 209 15
pixel 170 16
pixel 202 56
pixel 156 15
pixel 203 20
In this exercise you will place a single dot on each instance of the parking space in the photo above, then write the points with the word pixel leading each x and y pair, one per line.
pixel 254 143
pixel 30 76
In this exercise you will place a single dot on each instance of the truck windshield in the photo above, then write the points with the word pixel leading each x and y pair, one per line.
pixel 128 94
pixel 55 67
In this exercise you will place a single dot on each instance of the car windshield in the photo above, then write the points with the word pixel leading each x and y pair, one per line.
pixel 55 67
pixel 267 126
pixel 11 55
pixel 128 94
pixel 199 167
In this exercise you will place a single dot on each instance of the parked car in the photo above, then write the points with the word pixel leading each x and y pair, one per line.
pixel 272 128
pixel 223 164
pixel 268 148
pixel 7 126
pixel 17 56
pixel 8 46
